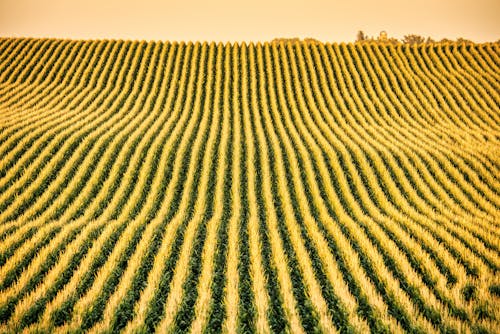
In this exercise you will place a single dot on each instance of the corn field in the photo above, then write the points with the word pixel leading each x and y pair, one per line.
pixel 254 187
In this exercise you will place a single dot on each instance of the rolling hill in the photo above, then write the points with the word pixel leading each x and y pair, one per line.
pixel 253 187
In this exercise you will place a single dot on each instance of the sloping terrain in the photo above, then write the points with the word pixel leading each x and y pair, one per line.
pixel 265 187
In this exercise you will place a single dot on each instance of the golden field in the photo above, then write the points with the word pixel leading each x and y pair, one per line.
pixel 263 187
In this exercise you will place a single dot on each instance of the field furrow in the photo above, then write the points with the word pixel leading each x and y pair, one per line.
pixel 298 187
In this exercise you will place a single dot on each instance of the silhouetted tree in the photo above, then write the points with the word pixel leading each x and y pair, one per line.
pixel 361 36
pixel 413 39
pixel 465 41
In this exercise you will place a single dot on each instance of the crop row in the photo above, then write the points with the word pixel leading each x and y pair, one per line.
pixel 268 187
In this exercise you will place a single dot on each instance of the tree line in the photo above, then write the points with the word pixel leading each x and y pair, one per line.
pixel 407 39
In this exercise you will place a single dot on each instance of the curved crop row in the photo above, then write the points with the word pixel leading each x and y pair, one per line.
pixel 264 187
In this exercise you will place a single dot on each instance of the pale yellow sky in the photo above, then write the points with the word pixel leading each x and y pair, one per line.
pixel 249 20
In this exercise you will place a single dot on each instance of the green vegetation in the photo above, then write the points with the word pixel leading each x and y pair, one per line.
pixel 290 186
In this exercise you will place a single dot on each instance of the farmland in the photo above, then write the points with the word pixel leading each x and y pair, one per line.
pixel 259 187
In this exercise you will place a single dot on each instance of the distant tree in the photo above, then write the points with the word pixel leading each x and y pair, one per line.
pixel 286 40
pixel 361 36
pixel 461 40
pixel 413 39
pixel 383 36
